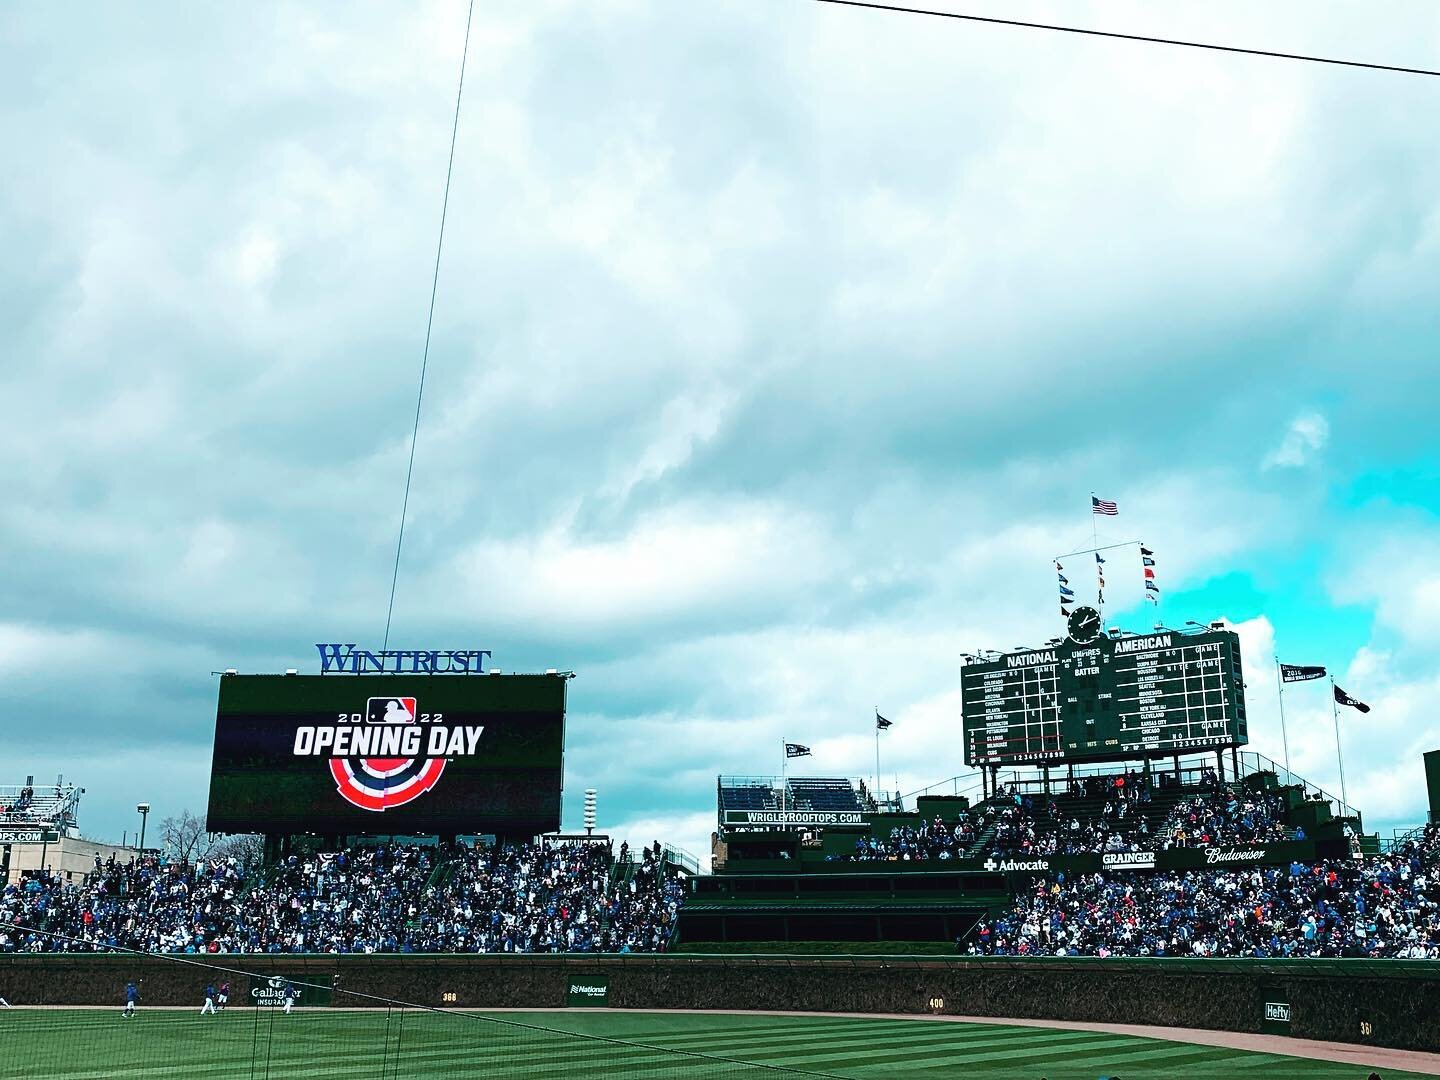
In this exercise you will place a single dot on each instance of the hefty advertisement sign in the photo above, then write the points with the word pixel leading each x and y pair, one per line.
pixel 388 754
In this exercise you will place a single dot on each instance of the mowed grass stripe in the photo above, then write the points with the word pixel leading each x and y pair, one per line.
pixel 524 1051
pixel 321 1045
pixel 1050 1050
pixel 420 1045
pixel 816 1053
pixel 223 1060
pixel 903 1032
pixel 416 1053
pixel 797 1030
pixel 1030 1043
pixel 1172 1064
pixel 773 1051
pixel 1176 1060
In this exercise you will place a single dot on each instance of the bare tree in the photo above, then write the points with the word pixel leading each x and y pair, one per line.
pixel 184 838
pixel 247 849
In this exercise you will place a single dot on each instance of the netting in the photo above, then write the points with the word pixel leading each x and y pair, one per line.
pixel 67 1024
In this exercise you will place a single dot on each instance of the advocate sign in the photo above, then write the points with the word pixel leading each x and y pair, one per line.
pixel 1112 862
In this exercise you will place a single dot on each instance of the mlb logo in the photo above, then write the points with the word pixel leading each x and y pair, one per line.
pixel 390 710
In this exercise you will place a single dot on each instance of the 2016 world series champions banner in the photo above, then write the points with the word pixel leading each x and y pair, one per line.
pixel 388 754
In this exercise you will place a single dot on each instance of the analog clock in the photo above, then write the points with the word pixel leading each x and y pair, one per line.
pixel 1084 625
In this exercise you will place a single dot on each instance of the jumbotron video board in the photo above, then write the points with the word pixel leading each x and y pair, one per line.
pixel 386 754
pixel 1096 697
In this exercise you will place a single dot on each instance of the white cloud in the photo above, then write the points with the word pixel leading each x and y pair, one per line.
pixel 774 356
pixel 1304 439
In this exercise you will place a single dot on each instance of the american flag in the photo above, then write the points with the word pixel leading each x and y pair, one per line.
pixel 1103 506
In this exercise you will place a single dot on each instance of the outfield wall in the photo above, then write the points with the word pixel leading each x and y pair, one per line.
pixel 1386 1003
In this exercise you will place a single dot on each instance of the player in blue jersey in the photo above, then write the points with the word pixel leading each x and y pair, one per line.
pixel 224 998
pixel 290 995
pixel 209 1005
pixel 132 996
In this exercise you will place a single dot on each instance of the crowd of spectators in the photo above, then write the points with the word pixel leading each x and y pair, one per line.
pixel 1025 825
pixel 526 897
pixel 930 840
pixel 1120 825
pixel 1225 814
pixel 1383 906
pixel 142 904
pixel 1014 823
pixel 20 805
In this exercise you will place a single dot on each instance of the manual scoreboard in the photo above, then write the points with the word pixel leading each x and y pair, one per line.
pixel 1094 697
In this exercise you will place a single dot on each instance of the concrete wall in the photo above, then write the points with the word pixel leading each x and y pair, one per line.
pixel 70 857
pixel 1388 1003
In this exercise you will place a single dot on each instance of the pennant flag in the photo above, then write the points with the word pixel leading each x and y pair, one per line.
pixel 794 749
pixel 1101 594
pixel 1103 506
pixel 1063 579
pixel 880 722
pixel 1345 699
pixel 1063 613
pixel 1066 592
pixel 1098 559
pixel 1147 563
pixel 1058 568
pixel 1300 672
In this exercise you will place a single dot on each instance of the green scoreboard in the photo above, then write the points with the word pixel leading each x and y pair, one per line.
pixel 1097 697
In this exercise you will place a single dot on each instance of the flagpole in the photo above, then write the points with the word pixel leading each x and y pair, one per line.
pixel 1280 684
pixel 1095 549
pixel 1339 758
pixel 784 774
pixel 877 755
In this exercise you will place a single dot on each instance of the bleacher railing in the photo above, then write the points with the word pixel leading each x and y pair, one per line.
pixel 1192 770
pixel 48 804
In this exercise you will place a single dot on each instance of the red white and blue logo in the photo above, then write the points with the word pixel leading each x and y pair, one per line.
pixel 389 755
pixel 383 783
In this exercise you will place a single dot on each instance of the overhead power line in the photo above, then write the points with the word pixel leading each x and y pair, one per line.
pixel 1272 54
pixel 429 323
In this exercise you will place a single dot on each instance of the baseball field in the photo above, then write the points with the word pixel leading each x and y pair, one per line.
pixel 68 1044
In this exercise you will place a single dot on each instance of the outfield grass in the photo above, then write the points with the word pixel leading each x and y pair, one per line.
pixel 64 1044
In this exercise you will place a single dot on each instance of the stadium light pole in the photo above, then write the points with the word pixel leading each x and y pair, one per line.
pixel 144 811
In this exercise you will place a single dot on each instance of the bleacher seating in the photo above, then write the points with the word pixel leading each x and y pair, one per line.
pixel 822 794
pixel 748 796
pixel 30 805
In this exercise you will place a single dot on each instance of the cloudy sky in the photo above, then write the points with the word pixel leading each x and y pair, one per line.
pixel 777 349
